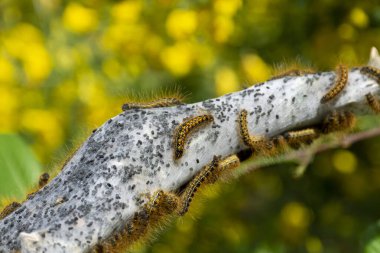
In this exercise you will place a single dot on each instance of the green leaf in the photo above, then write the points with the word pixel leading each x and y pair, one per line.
pixel 371 239
pixel 19 169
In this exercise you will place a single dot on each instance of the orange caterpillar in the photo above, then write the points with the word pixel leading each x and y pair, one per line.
pixel 160 102
pixel 206 175
pixel 373 103
pixel 372 72
pixel 184 130
pixel 340 82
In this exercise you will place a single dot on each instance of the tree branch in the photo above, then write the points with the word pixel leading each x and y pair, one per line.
pixel 126 160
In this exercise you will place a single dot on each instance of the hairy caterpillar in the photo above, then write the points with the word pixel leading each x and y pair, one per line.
pixel 372 72
pixel 43 180
pixel 292 72
pixel 296 138
pixel 340 82
pixel 373 103
pixel 162 203
pixel 184 130
pixel 159 205
pixel 9 209
pixel 202 177
pixel 256 143
pixel 338 121
pixel 161 102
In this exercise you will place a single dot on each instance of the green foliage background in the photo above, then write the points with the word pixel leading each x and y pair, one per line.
pixel 67 66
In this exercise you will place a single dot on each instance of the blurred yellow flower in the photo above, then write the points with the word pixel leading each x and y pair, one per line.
pixel 153 44
pixel 125 38
pixel 37 64
pixel 111 67
pixel 255 68
pixel 226 81
pixel 19 38
pixel 227 7
pixel 223 28
pixel 295 215
pixel 126 11
pixel 45 124
pixel 181 24
pixel 344 161
pixel 179 58
pixel 359 18
pixel 6 71
pixel 79 19
pixel 314 245
pixel 205 55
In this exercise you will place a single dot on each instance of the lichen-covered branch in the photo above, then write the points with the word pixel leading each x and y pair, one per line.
pixel 120 168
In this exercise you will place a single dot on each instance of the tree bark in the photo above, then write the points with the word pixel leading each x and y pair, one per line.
pixel 131 156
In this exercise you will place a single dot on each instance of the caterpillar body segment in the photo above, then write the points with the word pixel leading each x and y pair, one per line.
pixel 373 103
pixel 161 204
pixel 161 102
pixel 43 180
pixel 305 136
pixel 339 84
pixel 182 132
pixel 371 72
pixel 124 237
pixel 292 72
pixel 204 176
pixel 224 169
pixel 338 121
pixel 258 144
pixel 229 163
pixel 9 209
pixel 279 143
pixel 244 128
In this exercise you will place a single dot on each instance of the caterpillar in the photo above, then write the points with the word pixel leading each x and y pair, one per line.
pixel 340 82
pixel 183 130
pixel 228 163
pixel 279 142
pixel 225 168
pixel 338 122
pixel 159 205
pixel 373 103
pixel 43 180
pixel 296 138
pixel 162 203
pixel 256 143
pixel 9 209
pixel 372 72
pixel 125 236
pixel 191 189
pixel 292 72
pixel 161 102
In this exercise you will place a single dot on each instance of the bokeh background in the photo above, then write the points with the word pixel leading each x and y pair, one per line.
pixel 68 66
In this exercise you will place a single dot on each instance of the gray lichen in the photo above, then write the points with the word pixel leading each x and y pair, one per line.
pixel 131 155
